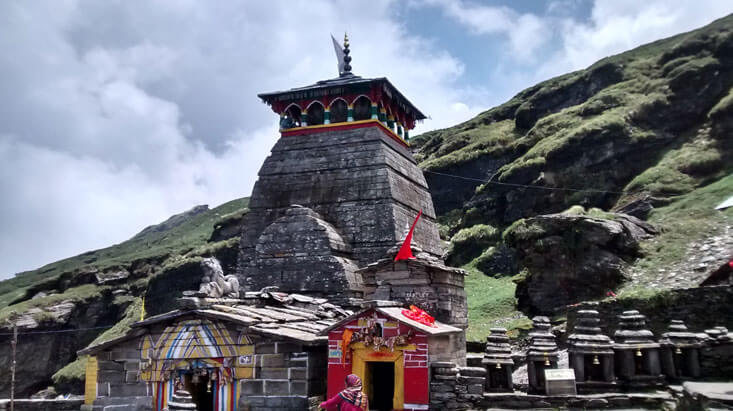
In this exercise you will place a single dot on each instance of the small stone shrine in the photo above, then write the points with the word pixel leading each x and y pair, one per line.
pixel 680 352
pixel 542 353
pixel 636 352
pixel 498 362
pixel 425 281
pixel 391 349
pixel 591 354
pixel 261 351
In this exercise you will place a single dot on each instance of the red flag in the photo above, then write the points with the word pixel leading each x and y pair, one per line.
pixel 405 252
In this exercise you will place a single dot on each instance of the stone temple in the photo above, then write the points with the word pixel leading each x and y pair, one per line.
pixel 338 190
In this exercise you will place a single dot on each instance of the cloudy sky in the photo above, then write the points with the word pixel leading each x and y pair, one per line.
pixel 116 114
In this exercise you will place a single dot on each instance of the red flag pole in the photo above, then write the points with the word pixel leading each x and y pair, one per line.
pixel 405 252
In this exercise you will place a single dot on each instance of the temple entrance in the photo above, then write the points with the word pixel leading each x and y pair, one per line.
pixel 381 385
pixel 200 390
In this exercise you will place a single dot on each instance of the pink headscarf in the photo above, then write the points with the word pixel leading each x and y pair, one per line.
pixel 353 393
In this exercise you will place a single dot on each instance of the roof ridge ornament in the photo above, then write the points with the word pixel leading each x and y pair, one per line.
pixel 342 56
pixel 347 58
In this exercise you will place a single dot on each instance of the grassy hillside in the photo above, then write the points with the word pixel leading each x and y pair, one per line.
pixel 178 236
pixel 647 127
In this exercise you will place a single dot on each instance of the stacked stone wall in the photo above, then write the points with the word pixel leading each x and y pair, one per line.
pixel 456 388
pixel 287 377
pixel 118 373
pixel 360 181
pixel 716 360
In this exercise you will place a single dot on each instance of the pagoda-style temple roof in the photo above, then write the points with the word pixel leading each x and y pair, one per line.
pixel 326 91
pixel 344 102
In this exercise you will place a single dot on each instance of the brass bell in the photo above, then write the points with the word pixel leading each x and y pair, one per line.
pixel 208 386
pixel 595 360
pixel 498 366
pixel 547 361
pixel 638 352
pixel 677 350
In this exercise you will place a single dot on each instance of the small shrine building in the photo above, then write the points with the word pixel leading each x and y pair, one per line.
pixel 390 349
pixel 262 352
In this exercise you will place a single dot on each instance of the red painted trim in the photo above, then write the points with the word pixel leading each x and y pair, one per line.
pixel 301 131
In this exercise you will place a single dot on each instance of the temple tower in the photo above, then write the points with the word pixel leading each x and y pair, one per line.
pixel 338 188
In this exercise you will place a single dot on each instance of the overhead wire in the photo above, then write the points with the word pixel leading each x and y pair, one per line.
pixel 534 186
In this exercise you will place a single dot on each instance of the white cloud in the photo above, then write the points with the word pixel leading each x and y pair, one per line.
pixel 526 32
pixel 619 25
pixel 116 115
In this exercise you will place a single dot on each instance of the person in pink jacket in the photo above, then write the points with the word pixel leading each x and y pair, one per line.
pixel 350 399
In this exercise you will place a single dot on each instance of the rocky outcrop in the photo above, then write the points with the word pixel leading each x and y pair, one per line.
pixel 43 347
pixel 571 258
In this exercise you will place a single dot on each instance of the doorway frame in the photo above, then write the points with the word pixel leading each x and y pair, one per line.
pixel 361 355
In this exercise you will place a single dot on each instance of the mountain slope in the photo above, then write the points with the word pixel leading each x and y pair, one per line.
pixel 652 120
pixel 647 132
pixel 105 287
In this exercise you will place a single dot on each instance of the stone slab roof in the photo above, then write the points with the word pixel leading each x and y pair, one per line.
pixel 278 315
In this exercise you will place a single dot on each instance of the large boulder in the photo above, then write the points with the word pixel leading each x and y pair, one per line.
pixel 569 258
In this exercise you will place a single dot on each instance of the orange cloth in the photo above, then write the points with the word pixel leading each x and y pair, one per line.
pixel 345 341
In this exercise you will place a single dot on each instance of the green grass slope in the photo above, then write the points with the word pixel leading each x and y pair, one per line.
pixel 651 124
pixel 168 240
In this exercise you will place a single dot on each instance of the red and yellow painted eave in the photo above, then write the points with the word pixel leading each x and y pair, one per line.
pixel 300 131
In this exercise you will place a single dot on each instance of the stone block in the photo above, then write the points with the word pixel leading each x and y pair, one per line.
pixel 109 365
pixel 441 387
pixel 298 387
pixel 273 373
pixel 110 376
pixel 284 347
pixel 132 365
pixel 461 389
pixel 125 354
pixel 596 403
pixel 470 380
pixel 277 387
pixel 128 390
pixel 130 376
pixel 444 377
pixel 476 388
pixel 271 360
pixel 298 373
pixel 253 387
pixel 472 371
pixel 102 389
pixel 246 402
pixel 442 396
pixel 266 348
